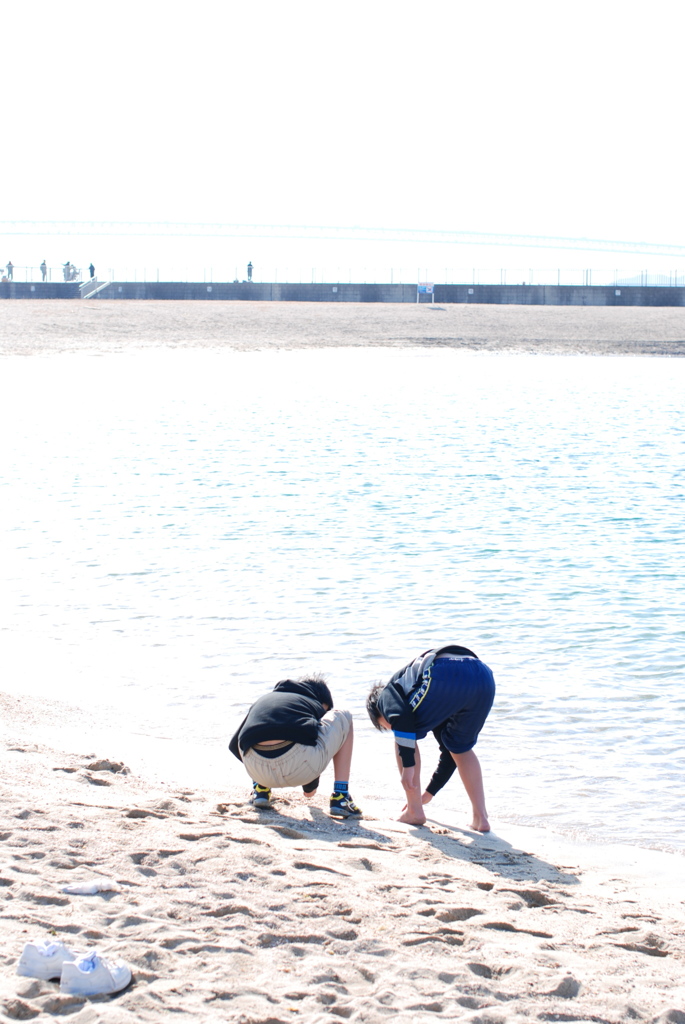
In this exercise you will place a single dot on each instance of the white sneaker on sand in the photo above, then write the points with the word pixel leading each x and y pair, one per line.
pixel 92 975
pixel 44 959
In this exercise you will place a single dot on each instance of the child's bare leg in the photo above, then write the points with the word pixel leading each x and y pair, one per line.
pixel 412 812
pixel 342 761
pixel 426 797
pixel 472 778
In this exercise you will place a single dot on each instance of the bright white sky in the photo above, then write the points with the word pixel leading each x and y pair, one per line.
pixel 528 117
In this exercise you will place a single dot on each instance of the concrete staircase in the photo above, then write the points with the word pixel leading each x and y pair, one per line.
pixel 90 288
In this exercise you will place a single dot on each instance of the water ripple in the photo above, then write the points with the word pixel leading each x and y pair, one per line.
pixel 192 526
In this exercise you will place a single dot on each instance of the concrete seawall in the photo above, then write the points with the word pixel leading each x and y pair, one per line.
pixel 559 295
pixel 525 295
pixel 265 292
pixel 39 290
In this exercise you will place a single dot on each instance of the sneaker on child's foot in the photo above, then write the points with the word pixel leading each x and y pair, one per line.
pixel 44 959
pixel 92 975
pixel 343 806
pixel 261 796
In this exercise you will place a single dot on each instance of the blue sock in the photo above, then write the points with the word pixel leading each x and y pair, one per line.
pixel 339 787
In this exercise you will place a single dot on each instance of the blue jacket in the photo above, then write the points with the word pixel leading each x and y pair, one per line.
pixel 403 694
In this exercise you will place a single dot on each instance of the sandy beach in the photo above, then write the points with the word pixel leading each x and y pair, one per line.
pixel 227 913
pixel 95 326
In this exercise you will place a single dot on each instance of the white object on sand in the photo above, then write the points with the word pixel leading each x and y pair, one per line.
pixel 90 888
pixel 44 960
pixel 92 975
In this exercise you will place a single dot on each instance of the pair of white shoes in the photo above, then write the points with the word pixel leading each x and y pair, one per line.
pixel 80 974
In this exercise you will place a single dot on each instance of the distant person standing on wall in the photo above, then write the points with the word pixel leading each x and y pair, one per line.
pixel 91 268
pixel 66 269
pixel 44 270
pixel 249 271
pixel 10 271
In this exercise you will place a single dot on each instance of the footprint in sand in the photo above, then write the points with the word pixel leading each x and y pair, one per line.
pixel 17 1009
pixel 458 914
pixel 344 935
pixel 279 939
pixel 364 844
pixel 471 1003
pixel 194 837
pixel 229 909
pixel 173 942
pixel 481 970
pixel 104 765
pixel 63 1004
pixel 449 936
pixel 504 926
pixel 651 945
pixel 567 988
pixel 532 897
pixel 620 931
pixel 304 865
pixel 47 901
pixel 289 833
pixel 95 780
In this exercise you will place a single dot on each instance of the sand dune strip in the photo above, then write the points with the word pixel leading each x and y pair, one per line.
pixel 53 326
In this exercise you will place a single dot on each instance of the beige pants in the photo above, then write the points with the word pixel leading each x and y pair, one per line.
pixel 301 764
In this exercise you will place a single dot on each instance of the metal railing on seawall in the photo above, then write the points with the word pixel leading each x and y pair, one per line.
pixel 42 274
pixel 583 277
pixel 68 272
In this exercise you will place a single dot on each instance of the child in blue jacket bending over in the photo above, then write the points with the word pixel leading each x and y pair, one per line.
pixel 447 691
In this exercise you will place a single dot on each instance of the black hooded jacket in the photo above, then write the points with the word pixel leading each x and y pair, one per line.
pixel 291 711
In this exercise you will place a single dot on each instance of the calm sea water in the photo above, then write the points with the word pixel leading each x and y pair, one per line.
pixel 181 529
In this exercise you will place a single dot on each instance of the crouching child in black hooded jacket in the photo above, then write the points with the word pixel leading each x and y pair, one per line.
pixel 290 735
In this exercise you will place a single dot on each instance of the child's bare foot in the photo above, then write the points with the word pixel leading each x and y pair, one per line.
pixel 412 819
pixel 425 799
pixel 480 823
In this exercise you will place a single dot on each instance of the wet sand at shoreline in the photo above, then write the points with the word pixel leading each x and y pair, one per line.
pixel 54 326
